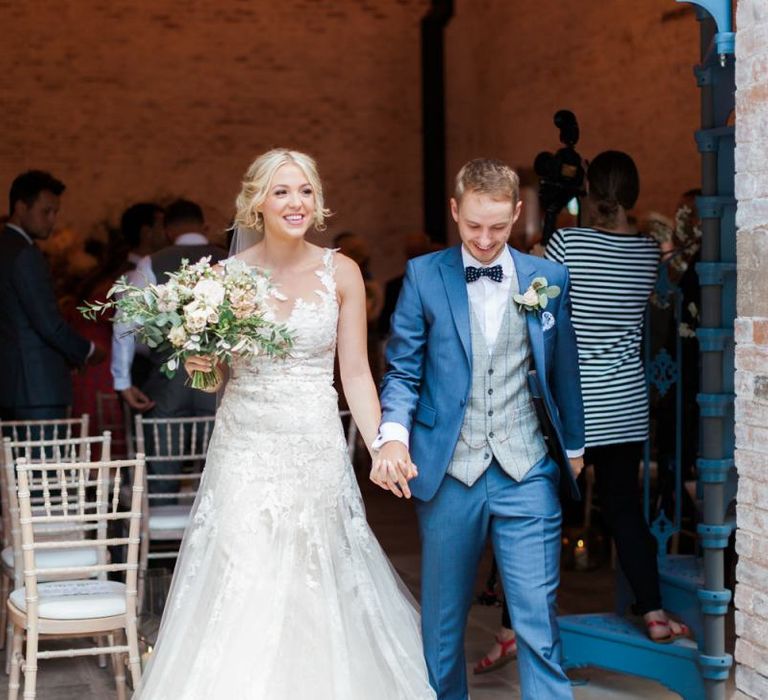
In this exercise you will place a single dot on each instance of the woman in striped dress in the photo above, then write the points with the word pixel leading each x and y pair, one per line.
pixel 613 271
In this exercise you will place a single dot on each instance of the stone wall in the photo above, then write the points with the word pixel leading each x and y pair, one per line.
pixel 752 348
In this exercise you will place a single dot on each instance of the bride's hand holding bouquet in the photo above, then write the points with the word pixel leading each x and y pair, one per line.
pixel 202 317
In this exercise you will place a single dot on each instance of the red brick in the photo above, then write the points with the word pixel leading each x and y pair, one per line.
pixel 760 331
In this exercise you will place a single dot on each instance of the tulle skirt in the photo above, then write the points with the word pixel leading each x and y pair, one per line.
pixel 281 591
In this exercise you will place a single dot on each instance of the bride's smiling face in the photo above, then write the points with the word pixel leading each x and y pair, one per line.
pixel 289 208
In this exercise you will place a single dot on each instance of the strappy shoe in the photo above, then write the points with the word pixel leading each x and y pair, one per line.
pixel 508 652
pixel 670 636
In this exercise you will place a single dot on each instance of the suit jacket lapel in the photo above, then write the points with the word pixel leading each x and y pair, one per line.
pixel 452 271
pixel 526 271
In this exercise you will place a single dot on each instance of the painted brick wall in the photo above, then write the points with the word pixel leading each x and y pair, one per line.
pixel 130 99
pixel 751 596
pixel 623 67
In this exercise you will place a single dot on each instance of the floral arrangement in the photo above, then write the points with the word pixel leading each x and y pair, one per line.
pixel 684 235
pixel 200 311
pixel 537 296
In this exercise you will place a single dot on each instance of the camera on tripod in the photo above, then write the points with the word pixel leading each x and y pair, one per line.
pixel 561 174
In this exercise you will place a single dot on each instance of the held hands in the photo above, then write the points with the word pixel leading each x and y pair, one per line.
pixel 392 469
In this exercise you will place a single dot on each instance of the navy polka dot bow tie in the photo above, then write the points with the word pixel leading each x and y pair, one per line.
pixel 472 274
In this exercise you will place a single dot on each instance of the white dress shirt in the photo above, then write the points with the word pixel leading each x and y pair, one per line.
pixel 488 300
pixel 123 339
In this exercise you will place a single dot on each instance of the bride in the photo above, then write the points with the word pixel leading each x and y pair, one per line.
pixel 281 591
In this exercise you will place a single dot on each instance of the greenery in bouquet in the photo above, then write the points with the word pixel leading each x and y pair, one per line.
pixel 200 311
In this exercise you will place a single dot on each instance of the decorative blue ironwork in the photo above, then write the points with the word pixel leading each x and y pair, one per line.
pixel 722 12
pixel 663 371
pixel 593 640
pixel 662 528
pixel 691 586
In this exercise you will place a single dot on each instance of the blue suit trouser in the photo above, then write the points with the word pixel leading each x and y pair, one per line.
pixel 523 519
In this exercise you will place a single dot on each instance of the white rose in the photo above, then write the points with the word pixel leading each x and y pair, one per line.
pixel 177 336
pixel 195 317
pixel 531 298
pixel 209 291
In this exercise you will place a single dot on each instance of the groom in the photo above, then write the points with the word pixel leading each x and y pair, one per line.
pixel 457 393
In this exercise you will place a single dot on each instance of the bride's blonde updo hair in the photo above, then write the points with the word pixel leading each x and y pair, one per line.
pixel 258 178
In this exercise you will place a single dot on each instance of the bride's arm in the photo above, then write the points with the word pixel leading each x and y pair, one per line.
pixel 352 341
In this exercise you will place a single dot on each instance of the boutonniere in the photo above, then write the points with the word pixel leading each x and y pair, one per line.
pixel 537 296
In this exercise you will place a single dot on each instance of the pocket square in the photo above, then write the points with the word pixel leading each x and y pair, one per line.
pixel 547 321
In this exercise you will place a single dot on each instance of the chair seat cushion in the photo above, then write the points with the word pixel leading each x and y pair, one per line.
pixel 169 517
pixel 75 600
pixel 55 558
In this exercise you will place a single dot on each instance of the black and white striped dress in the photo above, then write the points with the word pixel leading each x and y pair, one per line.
pixel 612 277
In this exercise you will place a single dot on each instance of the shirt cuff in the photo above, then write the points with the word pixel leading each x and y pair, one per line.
pixel 389 432
pixel 575 454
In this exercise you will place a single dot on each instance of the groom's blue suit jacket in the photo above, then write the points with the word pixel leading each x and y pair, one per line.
pixel 429 355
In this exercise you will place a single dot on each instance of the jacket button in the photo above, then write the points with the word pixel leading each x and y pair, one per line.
pixel 462 402
pixel 490 391
pixel 490 371
pixel 490 435
pixel 490 413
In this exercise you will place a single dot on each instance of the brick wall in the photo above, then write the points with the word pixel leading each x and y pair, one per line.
pixel 130 99
pixel 752 349
pixel 623 67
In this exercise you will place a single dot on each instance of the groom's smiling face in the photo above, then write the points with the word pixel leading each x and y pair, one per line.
pixel 485 223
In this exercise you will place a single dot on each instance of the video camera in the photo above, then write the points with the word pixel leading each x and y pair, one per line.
pixel 561 174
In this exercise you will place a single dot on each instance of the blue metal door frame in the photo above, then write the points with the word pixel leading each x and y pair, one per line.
pixel 692 586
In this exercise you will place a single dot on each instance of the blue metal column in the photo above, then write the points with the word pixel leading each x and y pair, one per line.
pixel 716 271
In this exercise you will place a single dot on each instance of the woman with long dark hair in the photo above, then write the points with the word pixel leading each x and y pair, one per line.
pixel 613 272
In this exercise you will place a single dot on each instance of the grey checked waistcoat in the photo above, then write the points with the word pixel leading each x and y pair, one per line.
pixel 500 420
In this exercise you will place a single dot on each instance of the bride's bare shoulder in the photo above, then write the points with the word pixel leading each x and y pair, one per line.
pixel 250 256
pixel 347 272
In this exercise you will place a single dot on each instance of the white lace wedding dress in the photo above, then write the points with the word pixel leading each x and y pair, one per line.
pixel 281 591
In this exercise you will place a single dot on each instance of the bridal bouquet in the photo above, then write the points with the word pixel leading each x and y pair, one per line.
pixel 200 311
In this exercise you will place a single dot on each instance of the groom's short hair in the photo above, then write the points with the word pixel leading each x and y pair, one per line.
pixel 488 176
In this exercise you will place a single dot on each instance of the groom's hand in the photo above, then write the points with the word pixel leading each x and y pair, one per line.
pixel 392 469
pixel 577 464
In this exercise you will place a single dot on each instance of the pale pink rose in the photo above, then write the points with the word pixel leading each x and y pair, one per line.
pixel 177 336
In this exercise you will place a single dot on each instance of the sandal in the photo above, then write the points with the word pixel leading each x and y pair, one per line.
pixel 670 636
pixel 508 652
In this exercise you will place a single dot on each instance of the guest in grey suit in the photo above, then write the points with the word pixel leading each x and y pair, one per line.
pixel 160 397
pixel 38 350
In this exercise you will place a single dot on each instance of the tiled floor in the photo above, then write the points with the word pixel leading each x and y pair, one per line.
pixel 394 524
